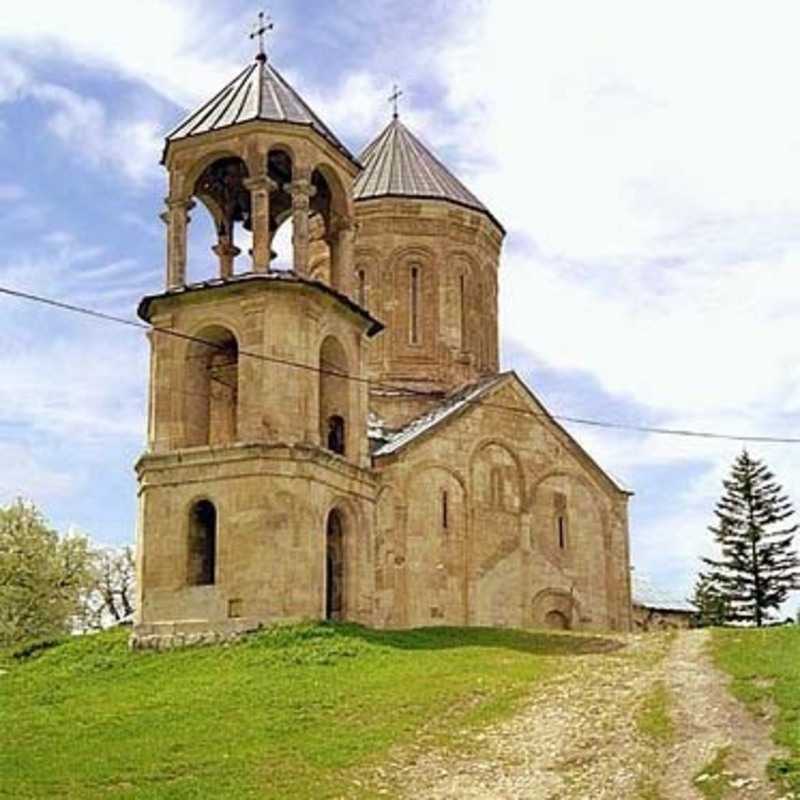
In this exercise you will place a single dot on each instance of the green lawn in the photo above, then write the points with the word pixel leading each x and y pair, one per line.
pixel 289 712
pixel 765 665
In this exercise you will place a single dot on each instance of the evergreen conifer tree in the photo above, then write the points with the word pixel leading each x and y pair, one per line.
pixel 710 602
pixel 758 565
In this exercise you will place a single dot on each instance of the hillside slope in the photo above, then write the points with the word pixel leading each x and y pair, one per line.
pixel 288 712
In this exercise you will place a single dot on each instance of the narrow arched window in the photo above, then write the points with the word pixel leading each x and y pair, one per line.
pixel 496 487
pixel 336 434
pixel 201 568
pixel 560 506
pixel 414 304
pixel 462 304
pixel 445 510
pixel 361 275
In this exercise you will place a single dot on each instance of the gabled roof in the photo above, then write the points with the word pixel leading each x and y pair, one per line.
pixel 258 92
pixel 397 164
pixel 452 405
pixel 467 397
pixel 646 594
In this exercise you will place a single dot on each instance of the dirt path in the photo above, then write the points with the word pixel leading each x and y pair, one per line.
pixel 711 724
pixel 582 737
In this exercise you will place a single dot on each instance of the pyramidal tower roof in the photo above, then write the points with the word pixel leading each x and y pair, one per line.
pixel 397 164
pixel 258 92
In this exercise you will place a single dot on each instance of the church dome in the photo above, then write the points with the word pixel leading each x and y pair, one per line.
pixel 259 92
pixel 397 164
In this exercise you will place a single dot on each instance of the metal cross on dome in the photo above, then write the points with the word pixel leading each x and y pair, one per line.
pixel 261 27
pixel 394 97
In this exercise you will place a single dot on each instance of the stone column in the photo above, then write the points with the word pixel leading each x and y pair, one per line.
pixel 341 248
pixel 260 188
pixel 176 218
pixel 302 191
pixel 226 251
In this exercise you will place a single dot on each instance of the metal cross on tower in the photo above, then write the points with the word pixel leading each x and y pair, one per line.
pixel 263 25
pixel 394 97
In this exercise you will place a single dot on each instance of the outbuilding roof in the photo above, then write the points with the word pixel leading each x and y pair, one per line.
pixel 648 595
pixel 258 92
pixel 397 164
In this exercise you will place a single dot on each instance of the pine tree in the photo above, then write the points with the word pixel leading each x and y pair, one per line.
pixel 710 602
pixel 759 565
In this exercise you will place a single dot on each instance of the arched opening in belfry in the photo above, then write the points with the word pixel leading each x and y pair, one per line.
pixel 211 392
pixel 221 188
pixel 202 546
pixel 280 172
pixel 334 566
pixel 333 396
pixel 330 231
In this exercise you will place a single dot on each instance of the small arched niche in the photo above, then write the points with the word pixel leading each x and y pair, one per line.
pixel 201 565
pixel 334 416
pixel 211 388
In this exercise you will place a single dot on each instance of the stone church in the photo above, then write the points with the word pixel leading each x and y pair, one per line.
pixel 335 440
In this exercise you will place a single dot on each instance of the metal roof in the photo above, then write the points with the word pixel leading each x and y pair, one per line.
pixel 264 278
pixel 397 164
pixel 258 92
pixel 385 442
pixel 452 405
pixel 646 594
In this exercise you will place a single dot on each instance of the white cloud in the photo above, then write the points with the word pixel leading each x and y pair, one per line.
pixel 82 381
pixel 20 471
pixel 177 48
pixel 646 161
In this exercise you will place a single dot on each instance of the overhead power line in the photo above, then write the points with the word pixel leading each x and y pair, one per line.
pixel 596 423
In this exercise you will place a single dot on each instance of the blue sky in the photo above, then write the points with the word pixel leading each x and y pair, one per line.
pixel 645 160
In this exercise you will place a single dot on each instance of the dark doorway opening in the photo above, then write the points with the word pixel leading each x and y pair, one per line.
pixel 334 567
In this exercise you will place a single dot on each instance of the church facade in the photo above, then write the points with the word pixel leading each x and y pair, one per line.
pixel 335 440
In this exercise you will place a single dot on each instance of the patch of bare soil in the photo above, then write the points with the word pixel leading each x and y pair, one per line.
pixel 577 739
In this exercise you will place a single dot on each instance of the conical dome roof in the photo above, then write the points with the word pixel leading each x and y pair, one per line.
pixel 259 92
pixel 397 164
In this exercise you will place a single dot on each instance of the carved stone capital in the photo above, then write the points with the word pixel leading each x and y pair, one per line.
pixel 225 249
pixel 260 183
pixel 176 204
pixel 302 189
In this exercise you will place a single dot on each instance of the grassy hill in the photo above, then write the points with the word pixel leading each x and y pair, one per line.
pixel 765 665
pixel 287 712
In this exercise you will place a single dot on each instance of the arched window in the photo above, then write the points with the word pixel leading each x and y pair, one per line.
pixel 414 305
pixel 336 434
pixel 561 527
pixel 462 310
pixel 445 510
pixel 361 277
pixel 560 507
pixel 497 487
pixel 201 567
pixel 334 388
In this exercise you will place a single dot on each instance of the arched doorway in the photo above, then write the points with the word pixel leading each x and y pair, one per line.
pixel 556 621
pixel 334 566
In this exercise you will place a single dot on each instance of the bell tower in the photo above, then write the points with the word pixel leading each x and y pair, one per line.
pixel 254 489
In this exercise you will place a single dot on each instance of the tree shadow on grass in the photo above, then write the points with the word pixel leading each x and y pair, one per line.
pixel 543 643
